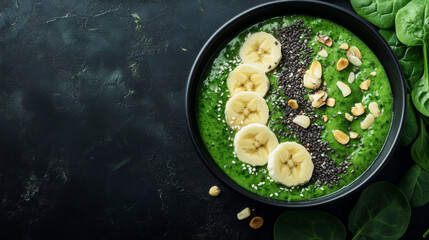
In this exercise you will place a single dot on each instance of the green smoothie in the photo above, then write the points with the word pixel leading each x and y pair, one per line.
pixel 218 137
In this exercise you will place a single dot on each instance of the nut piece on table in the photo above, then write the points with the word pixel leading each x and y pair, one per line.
pixel 354 51
pixel 344 46
pixel 302 120
pixel 345 89
pixel 245 213
pixel 313 76
pixel 367 122
pixel 293 103
pixel 256 222
pixel 341 137
pixel 373 108
pixel 323 53
pixel 342 64
pixel 354 135
pixel 351 77
pixel 365 85
pixel 214 191
pixel 325 118
pixel 330 102
pixel 358 109
pixel 325 40
pixel 348 117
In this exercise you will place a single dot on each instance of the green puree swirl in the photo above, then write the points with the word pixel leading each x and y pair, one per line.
pixel 218 138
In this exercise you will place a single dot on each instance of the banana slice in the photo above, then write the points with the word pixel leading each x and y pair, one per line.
pixel 262 50
pixel 290 164
pixel 245 108
pixel 247 77
pixel 253 144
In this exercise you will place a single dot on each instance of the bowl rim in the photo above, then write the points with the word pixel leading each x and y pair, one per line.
pixel 352 186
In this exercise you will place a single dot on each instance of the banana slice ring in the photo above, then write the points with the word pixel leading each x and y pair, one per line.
pixel 253 144
pixel 262 50
pixel 290 164
pixel 247 77
pixel 245 108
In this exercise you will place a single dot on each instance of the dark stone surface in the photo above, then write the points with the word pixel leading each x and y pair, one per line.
pixel 93 137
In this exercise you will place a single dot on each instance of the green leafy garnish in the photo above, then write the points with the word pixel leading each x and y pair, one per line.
pixel 412 29
pixel 415 186
pixel 306 225
pixel 420 148
pixel 381 213
pixel 381 13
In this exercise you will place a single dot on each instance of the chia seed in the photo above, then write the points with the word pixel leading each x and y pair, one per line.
pixel 296 56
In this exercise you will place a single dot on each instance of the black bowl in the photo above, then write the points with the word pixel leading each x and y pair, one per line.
pixel 343 17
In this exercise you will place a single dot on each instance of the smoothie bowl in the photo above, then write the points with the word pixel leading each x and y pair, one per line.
pixel 295 103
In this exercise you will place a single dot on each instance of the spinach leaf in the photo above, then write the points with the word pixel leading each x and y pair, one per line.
pixel 412 26
pixel 420 148
pixel 412 64
pixel 411 126
pixel 381 213
pixel 410 58
pixel 306 225
pixel 420 92
pixel 381 13
pixel 425 119
pixel 390 36
pixel 415 185
pixel 426 233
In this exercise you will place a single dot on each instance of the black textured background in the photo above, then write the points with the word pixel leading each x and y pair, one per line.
pixel 93 137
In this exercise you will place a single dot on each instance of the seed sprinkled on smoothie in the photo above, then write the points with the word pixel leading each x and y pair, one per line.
pixel 325 170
